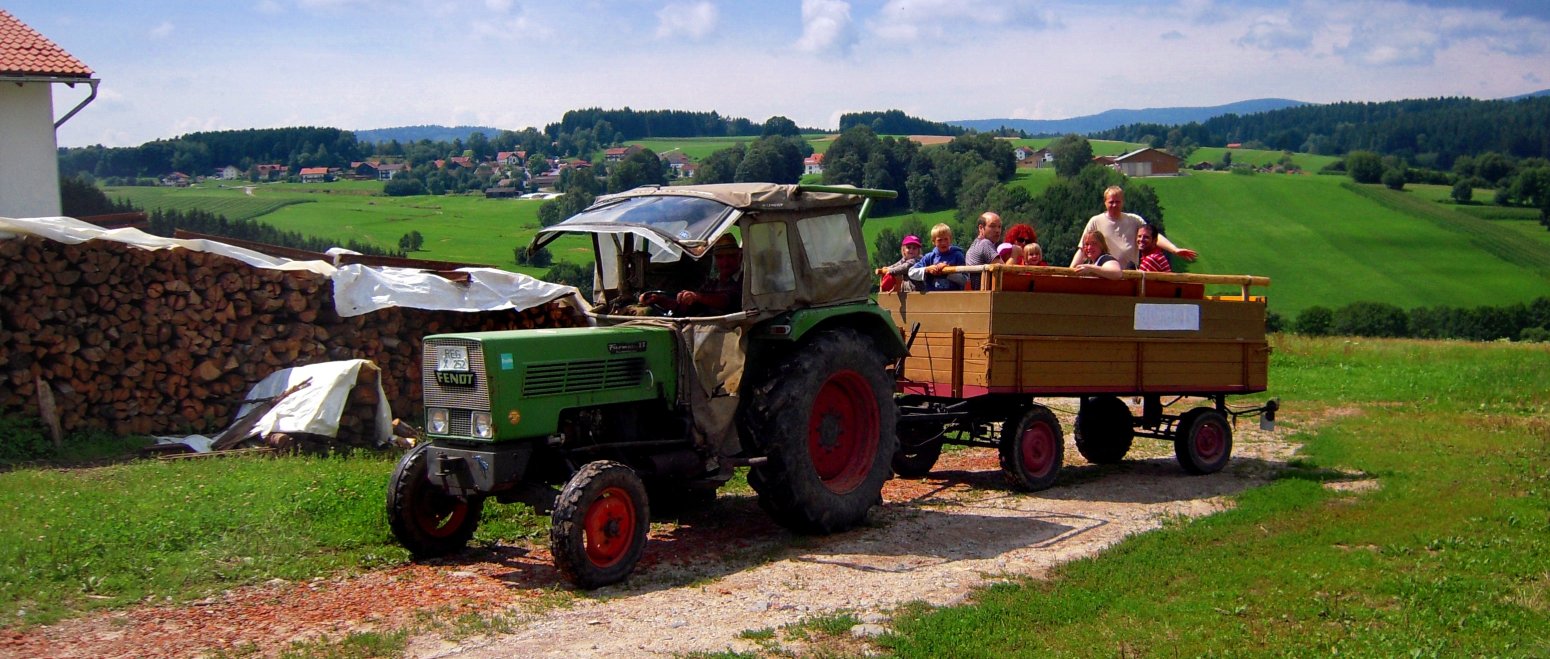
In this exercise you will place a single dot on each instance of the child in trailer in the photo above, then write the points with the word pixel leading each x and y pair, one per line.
pixel 896 277
pixel 930 271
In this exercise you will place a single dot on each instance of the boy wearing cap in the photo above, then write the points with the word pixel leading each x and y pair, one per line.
pixel 931 269
pixel 896 276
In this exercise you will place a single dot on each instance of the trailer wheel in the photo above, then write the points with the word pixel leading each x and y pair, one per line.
pixel 825 419
pixel 1033 450
pixel 1203 441
pixel 1104 429
pixel 427 520
pixel 598 528
pixel 918 452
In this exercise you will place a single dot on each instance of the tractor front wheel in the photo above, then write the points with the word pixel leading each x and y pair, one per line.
pixel 427 520
pixel 598 529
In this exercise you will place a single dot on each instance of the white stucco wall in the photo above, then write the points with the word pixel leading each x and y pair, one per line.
pixel 29 164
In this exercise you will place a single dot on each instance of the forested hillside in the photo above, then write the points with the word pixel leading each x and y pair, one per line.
pixel 1431 133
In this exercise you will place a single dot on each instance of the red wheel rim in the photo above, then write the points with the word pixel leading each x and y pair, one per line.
pixel 440 515
pixel 1209 441
pixel 1037 449
pixel 609 525
pixel 842 431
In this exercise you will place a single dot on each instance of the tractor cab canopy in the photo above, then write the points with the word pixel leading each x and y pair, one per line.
pixel 802 245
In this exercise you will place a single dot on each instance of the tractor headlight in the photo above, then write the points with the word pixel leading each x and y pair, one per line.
pixel 436 419
pixel 483 426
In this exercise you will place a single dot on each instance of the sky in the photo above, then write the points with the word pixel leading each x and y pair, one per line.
pixel 171 68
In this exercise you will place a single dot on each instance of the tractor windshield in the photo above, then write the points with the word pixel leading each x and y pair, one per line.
pixel 672 222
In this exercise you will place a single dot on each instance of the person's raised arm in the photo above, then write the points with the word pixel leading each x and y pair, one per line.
pixel 1167 246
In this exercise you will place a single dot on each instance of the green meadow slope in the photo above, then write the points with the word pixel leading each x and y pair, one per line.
pixel 1322 242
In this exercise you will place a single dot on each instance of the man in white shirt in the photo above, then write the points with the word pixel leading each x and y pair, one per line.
pixel 1119 231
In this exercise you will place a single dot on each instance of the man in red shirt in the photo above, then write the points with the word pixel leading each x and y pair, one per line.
pixel 1152 257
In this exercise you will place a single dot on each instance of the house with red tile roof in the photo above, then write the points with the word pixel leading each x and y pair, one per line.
pixel 314 174
pixel 30 66
pixel 812 164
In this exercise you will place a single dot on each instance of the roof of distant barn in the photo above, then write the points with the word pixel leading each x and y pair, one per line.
pixel 25 52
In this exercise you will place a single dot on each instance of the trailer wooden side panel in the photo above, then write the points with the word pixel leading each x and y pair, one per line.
pixel 1071 343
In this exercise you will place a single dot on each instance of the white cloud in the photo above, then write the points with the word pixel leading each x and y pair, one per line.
pixel 1277 32
pixel 498 6
pixel 162 31
pixel 825 26
pixel 933 19
pixel 694 20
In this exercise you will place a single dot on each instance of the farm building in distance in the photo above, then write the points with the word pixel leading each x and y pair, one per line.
pixel 1143 162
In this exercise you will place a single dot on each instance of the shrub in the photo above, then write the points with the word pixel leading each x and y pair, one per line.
pixel 1364 166
pixel 403 187
pixel 1274 322
pixel 1378 319
pixel 1314 321
pixel 1534 335
pixel 25 440
pixel 1463 192
pixel 1394 179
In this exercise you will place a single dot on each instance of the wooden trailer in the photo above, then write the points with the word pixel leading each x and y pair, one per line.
pixel 979 359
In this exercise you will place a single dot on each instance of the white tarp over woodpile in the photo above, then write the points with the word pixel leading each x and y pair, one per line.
pixel 357 289
pixel 315 409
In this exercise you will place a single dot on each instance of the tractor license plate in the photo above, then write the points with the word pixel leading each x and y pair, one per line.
pixel 452 358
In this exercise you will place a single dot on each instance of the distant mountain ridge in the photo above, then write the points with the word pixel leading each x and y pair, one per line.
pixel 1115 118
pixel 434 133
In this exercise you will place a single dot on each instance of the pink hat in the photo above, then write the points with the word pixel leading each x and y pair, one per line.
pixel 910 240
pixel 1005 250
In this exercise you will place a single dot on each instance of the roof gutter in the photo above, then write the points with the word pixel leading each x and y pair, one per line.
pixel 67 81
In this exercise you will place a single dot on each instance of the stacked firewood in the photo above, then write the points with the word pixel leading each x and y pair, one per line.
pixel 137 341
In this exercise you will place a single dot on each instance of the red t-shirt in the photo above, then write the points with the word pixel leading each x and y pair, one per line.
pixel 1156 261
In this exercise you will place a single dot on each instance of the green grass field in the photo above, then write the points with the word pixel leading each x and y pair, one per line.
pixel 1323 244
pixel 1261 158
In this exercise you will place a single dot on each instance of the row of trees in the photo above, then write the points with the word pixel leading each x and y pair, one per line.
pixel 1523 322
pixel 971 175
pixel 1430 133
pixel 1524 182
pixel 895 122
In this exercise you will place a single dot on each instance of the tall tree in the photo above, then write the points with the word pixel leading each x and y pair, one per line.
pixel 1072 153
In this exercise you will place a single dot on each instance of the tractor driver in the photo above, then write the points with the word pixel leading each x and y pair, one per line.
pixel 721 295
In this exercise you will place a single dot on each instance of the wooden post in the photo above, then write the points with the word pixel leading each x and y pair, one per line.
pixel 957 376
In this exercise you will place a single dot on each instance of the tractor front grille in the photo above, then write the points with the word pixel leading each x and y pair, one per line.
pixel 476 397
pixel 572 377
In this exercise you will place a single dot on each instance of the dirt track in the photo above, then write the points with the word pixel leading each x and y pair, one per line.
pixel 712 574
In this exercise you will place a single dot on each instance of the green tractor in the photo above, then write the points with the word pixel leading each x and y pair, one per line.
pixel 687 372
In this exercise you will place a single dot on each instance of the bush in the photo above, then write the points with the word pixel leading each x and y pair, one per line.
pixel 573 275
pixel 1314 321
pixel 1378 319
pixel 25 440
pixel 1364 166
pixel 1394 179
pixel 1273 322
pixel 1463 192
pixel 1534 335
pixel 403 187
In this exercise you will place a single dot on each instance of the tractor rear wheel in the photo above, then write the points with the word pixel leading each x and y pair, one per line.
pixel 1032 449
pixel 598 529
pixel 427 520
pixel 1104 429
pixel 1203 441
pixel 825 419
